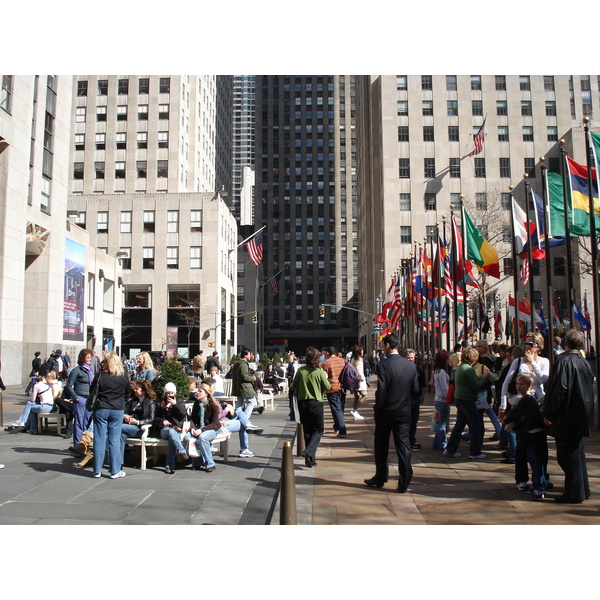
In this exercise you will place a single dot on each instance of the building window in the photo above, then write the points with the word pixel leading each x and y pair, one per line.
pixel 91 290
pixel 452 108
pixel 430 202
pixel 550 108
pixel 195 220
pixel 530 167
pixel 78 170
pixel 120 170
pixel 479 167
pixel 172 221
pixel 82 88
pixel 164 85
pixel 527 133
pixel 549 83
pixel 426 82
pixel 455 167
pixel 404 202
pixel 506 200
pixel 559 266
pixel 172 257
pixel 477 108
pixel 502 133
pixel 148 221
pixel 481 202
pixel 451 83
pixel 405 234
pixel 125 260
pixel 507 266
pixel 428 133
pixel 162 168
pixel 143 85
pixel 102 222
pixel 142 140
pixel 196 257
pixel 429 167
pixel 79 141
pixel 163 111
pixel 526 108
pixel 552 133
pixel 6 95
pixel 584 82
pixel 142 112
pixel 121 140
pixel 404 168
pixel 524 83
pixel 147 258
pixel 79 220
pixel 100 140
pixel 122 112
pixel 500 83
pixel 123 87
pixel 403 133
pixel 163 139
pixel 475 82
pixel 427 107
pixel 505 167
pixel 402 107
pixel 453 133
pixel 501 108
pixel 141 169
pixel 401 82
pixel 98 170
pixel 101 113
pixel 102 87
pixel 431 234
pixel 80 114
pixel 126 222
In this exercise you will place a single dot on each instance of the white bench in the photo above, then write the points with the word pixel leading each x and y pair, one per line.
pixel 52 418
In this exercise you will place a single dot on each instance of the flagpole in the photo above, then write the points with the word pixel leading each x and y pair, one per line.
pixel 547 261
pixel 570 295
pixel 453 271
pixel 247 239
pixel 464 265
pixel 267 281
pixel 593 240
pixel 446 291
pixel 515 332
pixel 529 253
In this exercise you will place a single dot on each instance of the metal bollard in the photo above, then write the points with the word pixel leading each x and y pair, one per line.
pixel 300 443
pixel 287 512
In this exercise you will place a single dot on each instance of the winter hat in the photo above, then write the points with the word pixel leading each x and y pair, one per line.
pixel 170 387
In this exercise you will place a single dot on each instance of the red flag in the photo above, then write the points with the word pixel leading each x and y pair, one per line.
pixel 478 141
pixel 524 276
pixel 255 249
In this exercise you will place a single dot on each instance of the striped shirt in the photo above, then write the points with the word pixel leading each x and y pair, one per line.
pixel 333 367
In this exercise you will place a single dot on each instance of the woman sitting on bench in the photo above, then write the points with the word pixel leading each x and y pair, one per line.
pixel 140 410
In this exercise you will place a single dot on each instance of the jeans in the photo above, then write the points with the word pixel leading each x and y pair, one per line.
pixel 25 414
pixel 203 443
pixel 387 423
pixel 570 455
pixel 536 450
pixel 467 415
pixel 250 404
pixel 494 419
pixel 313 423
pixel 107 434
pixel 337 405
pixel 439 439
pixel 175 446
pixel 81 418
pixel 31 423
pixel 128 431
pixel 415 410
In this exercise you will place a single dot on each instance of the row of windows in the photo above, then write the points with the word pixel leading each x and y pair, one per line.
pixel 141 169
pixel 453 133
pixel 430 203
pixel 172 257
pixel 148 221
pixel 121 140
pixel 101 113
pixel 429 169
pixel 477 108
pixel 164 86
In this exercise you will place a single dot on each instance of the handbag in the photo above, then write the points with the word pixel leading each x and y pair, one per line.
pixel 482 400
pixel 450 394
pixel 92 400
pixel 192 450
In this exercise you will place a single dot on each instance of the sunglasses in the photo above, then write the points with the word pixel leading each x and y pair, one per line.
pixel 529 344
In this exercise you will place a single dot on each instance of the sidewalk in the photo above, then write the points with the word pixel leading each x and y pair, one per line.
pixel 443 491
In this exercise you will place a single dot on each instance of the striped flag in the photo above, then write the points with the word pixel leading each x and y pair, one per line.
pixel 478 141
pixel 274 283
pixel 255 249
pixel 397 308
pixel 524 276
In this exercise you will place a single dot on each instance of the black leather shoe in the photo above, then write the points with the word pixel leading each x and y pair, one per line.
pixel 210 469
pixel 374 483
pixel 402 490
pixel 567 500
pixel 415 446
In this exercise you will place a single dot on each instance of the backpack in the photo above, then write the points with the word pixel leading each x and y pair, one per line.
pixel 349 378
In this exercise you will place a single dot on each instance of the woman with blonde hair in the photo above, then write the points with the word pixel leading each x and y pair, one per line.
pixel 358 362
pixel 43 394
pixel 144 367
pixel 113 388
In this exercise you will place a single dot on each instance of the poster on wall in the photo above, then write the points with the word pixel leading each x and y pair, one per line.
pixel 74 296
pixel 172 334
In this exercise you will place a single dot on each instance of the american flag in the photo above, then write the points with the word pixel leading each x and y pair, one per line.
pixel 478 141
pixel 255 249
pixel 397 307
pixel 274 283
pixel 524 276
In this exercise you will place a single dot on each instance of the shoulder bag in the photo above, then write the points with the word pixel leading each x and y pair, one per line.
pixel 91 403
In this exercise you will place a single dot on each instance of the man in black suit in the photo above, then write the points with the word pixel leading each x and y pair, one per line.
pixel 397 380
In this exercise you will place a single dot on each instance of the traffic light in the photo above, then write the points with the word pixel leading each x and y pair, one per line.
pixel 255 318
pixel 322 312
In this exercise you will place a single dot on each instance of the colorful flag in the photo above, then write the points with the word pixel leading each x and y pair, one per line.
pixel 534 228
pixel 479 249
pixel 580 317
pixel 586 314
pixel 498 325
pixel 397 307
pixel 255 249
pixel 478 141
pixel 274 283
pixel 540 319
pixel 540 233
pixel 524 275
pixel 383 316
pixel 524 310
pixel 556 320
pixel 580 200
pixel 519 227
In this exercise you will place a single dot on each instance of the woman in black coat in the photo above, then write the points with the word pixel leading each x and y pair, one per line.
pixel 140 410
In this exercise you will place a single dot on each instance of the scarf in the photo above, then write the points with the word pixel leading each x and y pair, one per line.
pixel 85 367
pixel 201 412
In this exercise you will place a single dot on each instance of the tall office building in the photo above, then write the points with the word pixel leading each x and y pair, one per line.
pixel 306 198
pixel 415 134
pixel 149 154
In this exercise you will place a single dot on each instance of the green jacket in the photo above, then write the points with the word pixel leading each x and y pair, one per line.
pixel 310 384
pixel 466 383
pixel 241 380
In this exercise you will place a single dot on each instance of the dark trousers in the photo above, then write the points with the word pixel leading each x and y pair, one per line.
pixel 467 415
pixel 570 455
pixel 415 410
pixel 313 423
pixel 387 423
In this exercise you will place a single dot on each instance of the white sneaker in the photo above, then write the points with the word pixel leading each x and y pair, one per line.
pixel 213 448
pixel 1 466
pixel 477 457
pixel 18 424
pixel 96 475
pixel 118 475
pixel 356 415
pixel 454 455
pixel 246 453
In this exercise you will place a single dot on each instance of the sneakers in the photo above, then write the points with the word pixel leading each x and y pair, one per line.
pixel 356 415
pixel 251 428
pixel 213 448
pixel 477 456
pixel 454 454
pixel 18 424
pixel 538 495
pixel 97 475
pixel 118 475
pixel 247 453
pixel 522 486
